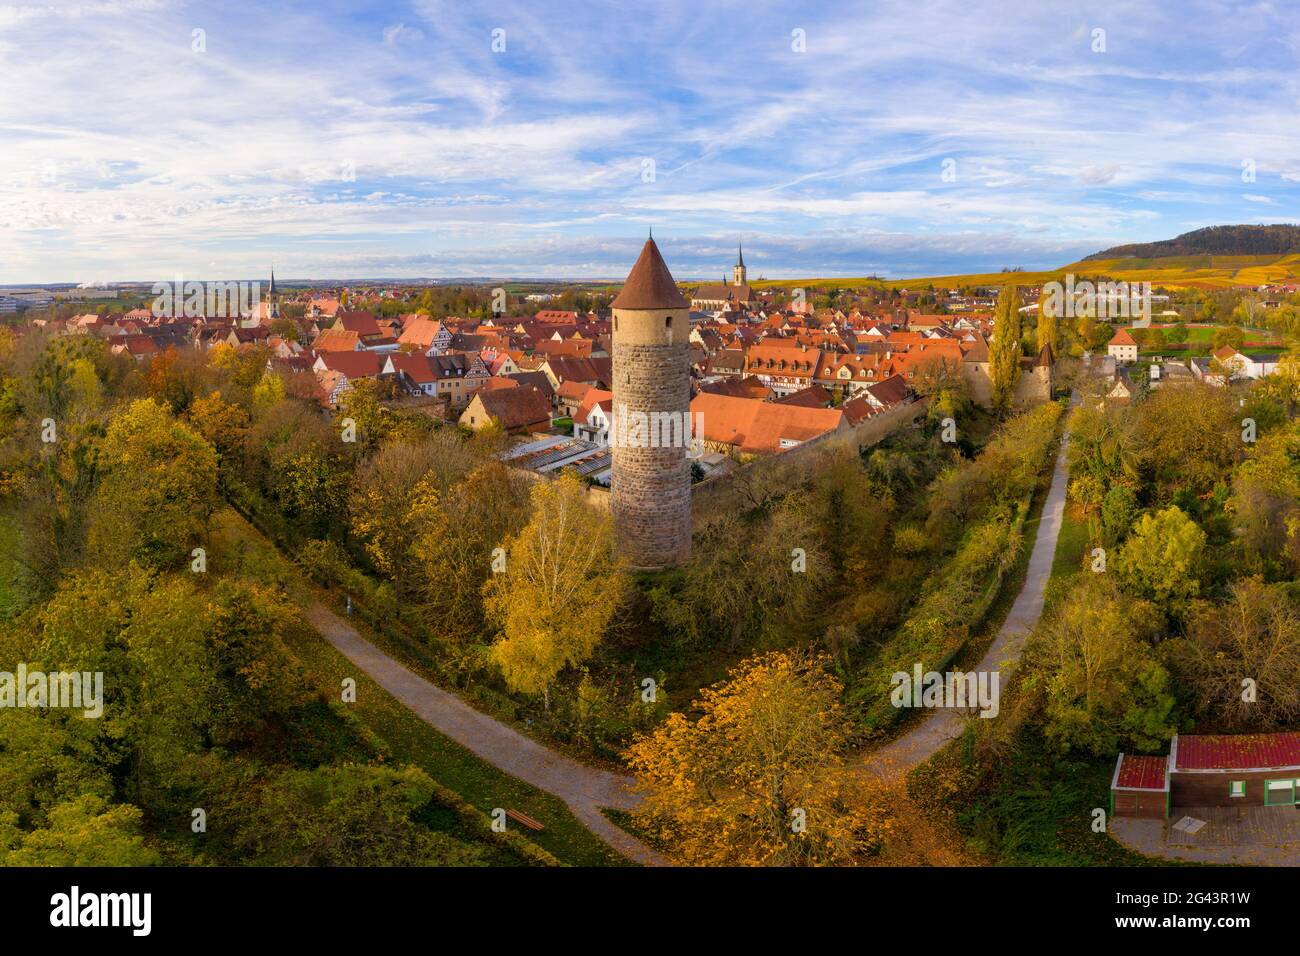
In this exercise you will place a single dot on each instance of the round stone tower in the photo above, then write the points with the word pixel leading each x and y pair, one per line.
pixel 650 484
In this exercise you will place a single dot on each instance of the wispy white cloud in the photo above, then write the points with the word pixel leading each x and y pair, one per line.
pixel 442 136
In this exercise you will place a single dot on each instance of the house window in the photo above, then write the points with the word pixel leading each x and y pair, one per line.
pixel 1237 788
pixel 1279 792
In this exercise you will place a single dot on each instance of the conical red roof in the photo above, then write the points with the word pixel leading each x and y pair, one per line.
pixel 650 285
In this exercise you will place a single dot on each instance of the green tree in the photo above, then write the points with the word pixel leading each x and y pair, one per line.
pixel 1161 561
pixel 82 832
pixel 1229 335
pixel 1118 511
pixel 1005 350
pixel 1265 502
pixel 1104 687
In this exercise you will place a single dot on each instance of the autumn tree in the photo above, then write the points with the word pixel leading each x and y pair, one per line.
pixel 1088 492
pixel 455 533
pixel 385 486
pixel 362 402
pixel 1183 440
pixel 760 777
pixel 1104 686
pixel 1046 333
pixel 745 579
pixel 1005 349
pixel 1229 335
pixel 1242 658
pixel 86 831
pixel 560 589
pixel 940 379
pixel 1162 559
pixel 156 491
pixel 172 378
pixel 223 424
pixel 1265 502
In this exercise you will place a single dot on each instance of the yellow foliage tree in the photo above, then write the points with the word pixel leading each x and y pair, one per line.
pixel 559 590
pixel 157 487
pixel 761 778
pixel 1046 324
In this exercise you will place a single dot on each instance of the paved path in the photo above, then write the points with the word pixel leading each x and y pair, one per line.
pixel 942 726
pixel 584 789
pixel 1149 837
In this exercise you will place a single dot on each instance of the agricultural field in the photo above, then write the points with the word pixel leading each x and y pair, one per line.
pixel 1175 272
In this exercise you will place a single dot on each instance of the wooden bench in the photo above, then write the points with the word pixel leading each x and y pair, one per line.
pixel 525 819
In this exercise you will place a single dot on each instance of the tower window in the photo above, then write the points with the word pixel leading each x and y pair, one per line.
pixel 668 322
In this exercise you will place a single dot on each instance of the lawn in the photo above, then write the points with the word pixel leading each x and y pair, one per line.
pixel 410 739
pixel 1071 545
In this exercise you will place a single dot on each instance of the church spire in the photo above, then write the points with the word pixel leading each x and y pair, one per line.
pixel 738 270
pixel 274 296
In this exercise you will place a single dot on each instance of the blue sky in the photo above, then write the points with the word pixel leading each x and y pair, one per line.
pixel 389 139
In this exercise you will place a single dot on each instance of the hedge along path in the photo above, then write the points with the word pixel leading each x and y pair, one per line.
pixel 945 725
pixel 583 789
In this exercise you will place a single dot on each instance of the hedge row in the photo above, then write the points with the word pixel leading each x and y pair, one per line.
pixel 470 816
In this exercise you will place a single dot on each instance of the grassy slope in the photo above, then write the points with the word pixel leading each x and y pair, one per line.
pixel 1207 272
pixel 410 738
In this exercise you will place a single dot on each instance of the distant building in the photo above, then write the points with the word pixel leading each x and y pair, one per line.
pixel 1122 347
pixel 517 410
pixel 1246 366
pixel 726 297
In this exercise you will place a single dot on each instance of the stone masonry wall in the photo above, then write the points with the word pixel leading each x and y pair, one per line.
pixel 650 488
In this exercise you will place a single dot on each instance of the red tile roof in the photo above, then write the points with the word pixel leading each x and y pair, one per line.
pixel 336 340
pixel 1122 337
pixel 594 397
pixel 520 407
pixel 352 364
pixel 416 366
pixel 1141 773
pixel 1237 751
pixel 421 332
pixel 756 426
